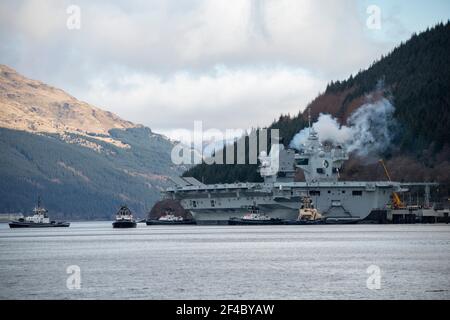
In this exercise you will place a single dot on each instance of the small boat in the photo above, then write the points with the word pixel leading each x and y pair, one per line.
pixel 307 214
pixel 254 217
pixel 39 219
pixel 124 219
pixel 169 218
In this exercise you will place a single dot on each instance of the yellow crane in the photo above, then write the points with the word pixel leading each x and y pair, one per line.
pixel 396 201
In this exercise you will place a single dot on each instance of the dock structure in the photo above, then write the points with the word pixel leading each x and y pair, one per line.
pixel 426 185
pixel 416 213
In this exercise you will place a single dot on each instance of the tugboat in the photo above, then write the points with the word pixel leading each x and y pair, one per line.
pixel 39 219
pixel 169 218
pixel 124 219
pixel 307 214
pixel 254 217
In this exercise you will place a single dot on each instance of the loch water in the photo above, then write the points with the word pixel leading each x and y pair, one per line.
pixel 90 260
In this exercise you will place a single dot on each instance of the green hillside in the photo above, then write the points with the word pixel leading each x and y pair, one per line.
pixel 78 182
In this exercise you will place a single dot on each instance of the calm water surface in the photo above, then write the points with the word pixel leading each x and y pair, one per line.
pixel 221 262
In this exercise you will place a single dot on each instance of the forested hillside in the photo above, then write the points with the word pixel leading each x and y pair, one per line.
pixel 78 182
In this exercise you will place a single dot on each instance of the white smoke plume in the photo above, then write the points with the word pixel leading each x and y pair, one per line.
pixel 369 129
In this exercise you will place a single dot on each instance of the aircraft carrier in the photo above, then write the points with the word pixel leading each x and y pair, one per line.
pixel 279 196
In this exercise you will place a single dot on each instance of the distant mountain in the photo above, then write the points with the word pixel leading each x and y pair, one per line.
pixel 83 161
pixel 33 106
pixel 415 78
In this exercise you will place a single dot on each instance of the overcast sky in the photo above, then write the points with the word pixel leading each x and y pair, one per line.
pixel 231 63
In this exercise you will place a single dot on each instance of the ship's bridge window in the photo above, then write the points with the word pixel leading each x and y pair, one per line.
pixel 320 170
pixel 356 193
pixel 314 193
pixel 302 161
pixel 213 203
pixel 194 204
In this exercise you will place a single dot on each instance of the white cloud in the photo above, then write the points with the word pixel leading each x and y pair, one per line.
pixel 156 62
pixel 39 20
pixel 326 36
pixel 223 98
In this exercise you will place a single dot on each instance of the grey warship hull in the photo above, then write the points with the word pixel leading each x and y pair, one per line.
pixel 342 201
pixel 279 196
